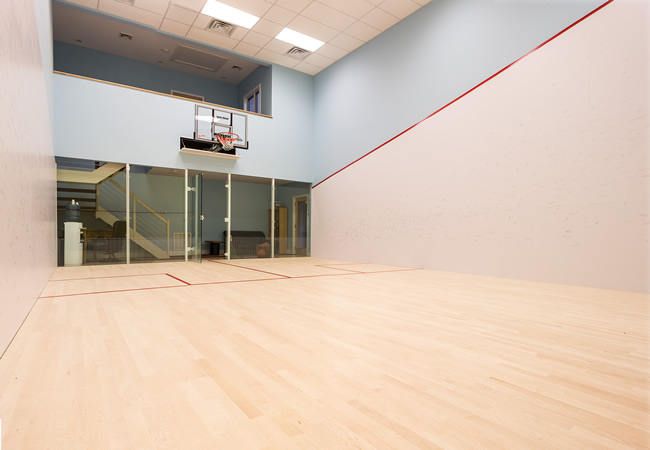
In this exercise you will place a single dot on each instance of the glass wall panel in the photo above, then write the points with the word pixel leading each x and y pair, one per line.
pixel 214 210
pixel 292 200
pixel 250 218
pixel 91 212
pixel 157 214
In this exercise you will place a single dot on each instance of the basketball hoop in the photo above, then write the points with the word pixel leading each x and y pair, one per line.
pixel 226 139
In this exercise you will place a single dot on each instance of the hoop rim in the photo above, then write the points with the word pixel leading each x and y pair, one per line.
pixel 229 136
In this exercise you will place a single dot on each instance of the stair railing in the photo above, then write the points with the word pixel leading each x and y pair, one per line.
pixel 144 220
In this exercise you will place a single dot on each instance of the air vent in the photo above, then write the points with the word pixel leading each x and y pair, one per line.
pixel 217 26
pixel 298 53
pixel 197 58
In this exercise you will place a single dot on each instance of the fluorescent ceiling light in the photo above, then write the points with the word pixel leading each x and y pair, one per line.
pixel 229 14
pixel 299 39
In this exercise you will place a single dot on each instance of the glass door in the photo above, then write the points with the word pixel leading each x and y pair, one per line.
pixel 194 216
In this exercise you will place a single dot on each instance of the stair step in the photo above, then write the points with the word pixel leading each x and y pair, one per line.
pixel 76 190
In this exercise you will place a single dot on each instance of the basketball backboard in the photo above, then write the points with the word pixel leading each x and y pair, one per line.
pixel 210 121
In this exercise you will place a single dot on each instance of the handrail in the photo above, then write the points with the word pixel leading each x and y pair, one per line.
pixel 139 201
pixel 136 201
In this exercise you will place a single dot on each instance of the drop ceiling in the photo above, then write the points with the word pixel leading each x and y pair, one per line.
pixel 344 25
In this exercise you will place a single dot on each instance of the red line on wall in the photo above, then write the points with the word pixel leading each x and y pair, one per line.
pixel 472 89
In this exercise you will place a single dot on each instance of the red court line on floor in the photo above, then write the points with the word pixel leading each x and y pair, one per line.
pixel 472 89
pixel 113 291
pixel 236 281
pixel 336 268
pixel 178 279
pixel 249 268
pixel 187 284
pixel 111 276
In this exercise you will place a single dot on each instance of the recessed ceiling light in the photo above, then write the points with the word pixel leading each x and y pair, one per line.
pixel 229 14
pixel 299 39
pixel 126 36
pixel 166 50
pixel 236 67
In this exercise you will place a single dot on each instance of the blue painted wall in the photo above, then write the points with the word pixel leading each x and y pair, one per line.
pixel 262 76
pixel 103 122
pixel 118 69
pixel 421 64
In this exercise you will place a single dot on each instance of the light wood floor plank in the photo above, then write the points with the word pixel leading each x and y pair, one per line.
pixel 314 353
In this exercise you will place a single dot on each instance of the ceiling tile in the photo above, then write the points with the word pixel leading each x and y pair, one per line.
pixel 202 21
pixel 247 49
pixel 86 3
pixel 238 33
pixel 276 58
pixel 155 6
pixel 294 5
pixel 180 14
pixel 278 46
pixel 354 8
pixel 328 16
pixel 380 19
pixel 331 51
pixel 211 38
pixel 178 28
pixel 254 7
pixel 279 15
pixel 194 5
pixel 362 31
pixel 266 27
pixel 131 13
pixel 307 68
pixel 312 28
pixel 399 8
pixel 255 38
pixel 318 60
pixel 347 42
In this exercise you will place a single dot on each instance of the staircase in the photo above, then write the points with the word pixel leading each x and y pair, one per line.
pixel 148 228
pixel 97 191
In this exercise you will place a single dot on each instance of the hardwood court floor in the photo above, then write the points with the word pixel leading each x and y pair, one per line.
pixel 307 353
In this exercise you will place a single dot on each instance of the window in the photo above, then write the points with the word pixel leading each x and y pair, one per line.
pixel 253 100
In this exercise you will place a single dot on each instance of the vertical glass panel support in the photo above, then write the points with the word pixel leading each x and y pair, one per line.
pixel 229 195
pixel 194 238
pixel 185 238
pixel 272 211
pixel 128 214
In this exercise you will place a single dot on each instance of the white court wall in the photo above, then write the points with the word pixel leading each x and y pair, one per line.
pixel 541 173
pixel 27 172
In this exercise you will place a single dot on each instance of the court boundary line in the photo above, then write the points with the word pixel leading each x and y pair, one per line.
pixel 469 91
pixel 110 276
pixel 188 284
